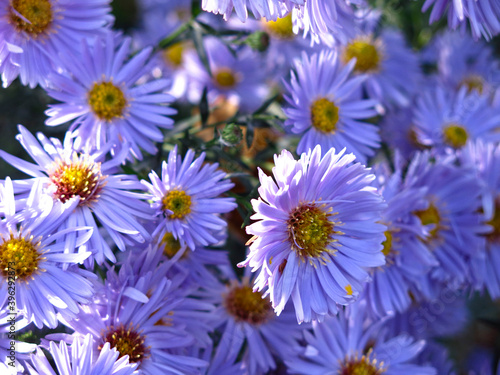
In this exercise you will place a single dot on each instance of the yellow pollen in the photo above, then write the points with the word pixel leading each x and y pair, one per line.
pixel 107 101
pixel 473 82
pixel 282 28
pixel 310 229
pixel 37 12
pixel 387 243
pixel 366 54
pixel 362 366
pixel 348 289
pixel 80 177
pixel 127 341
pixel 225 78
pixel 430 216
pixel 324 115
pixel 178 202
pixel 171 245
pixel 246 305
pixel 174 54
pixel 20 254
pixel 455 135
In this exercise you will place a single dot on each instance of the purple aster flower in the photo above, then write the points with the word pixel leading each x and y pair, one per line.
pixel 270 9
pixel 407 258
pixel 249 328
pixel 101 195
pixel 325 109
pixel 454 224
pixel 327 21
pixel 283 45
pixel 158 19
pixel 47 278
pixel 185 302
pixel 136 313
pixel 187 195
pixel 350 343
pixel 80 358
pixel 102 98
pixel 33 32
pixel 461 61
pixel 485 159
pixel 392 68
pixel 237 77
pixel 317 232
pixel 482 15
pixel 445 119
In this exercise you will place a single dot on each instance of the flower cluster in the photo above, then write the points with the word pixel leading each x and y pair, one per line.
pixel 267 187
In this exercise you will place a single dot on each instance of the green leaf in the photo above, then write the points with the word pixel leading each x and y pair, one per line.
pixel 203 106
pixel 197 37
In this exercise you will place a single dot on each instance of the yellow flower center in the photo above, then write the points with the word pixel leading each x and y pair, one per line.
pixel 282 28
pixel 107 101
pixel 361 366
pixel 324 115
pixel 473 82
pixel 387 243
pixel 171 245
pixel 174 54
pixel 455 135
pixel 37 12
pixel 80 177
pixel 366 54
pixel 310 229
pixel 127 341
pixel 430 216
pixel 246 305
pixel 178 202
pixel 225 78
pixel 19 254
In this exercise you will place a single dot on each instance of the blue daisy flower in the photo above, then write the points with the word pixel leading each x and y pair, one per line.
pixel 407 258
pixel 485 159
pixel 392 69
pixel 185 303
pixel 326 21
pixel 445 119
pixel 482 15
pixel 48 279
pixel 187 195
pixel 237 77
pixel 316 233
pixel 100 95
pixel 270 9
pixel 249 328
pixel 33 32
pixel 80 358
pixel 324 107
pixel 136 313
pixel 103 196
pixel 350 343
pixel 462 61
pixel 451 215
